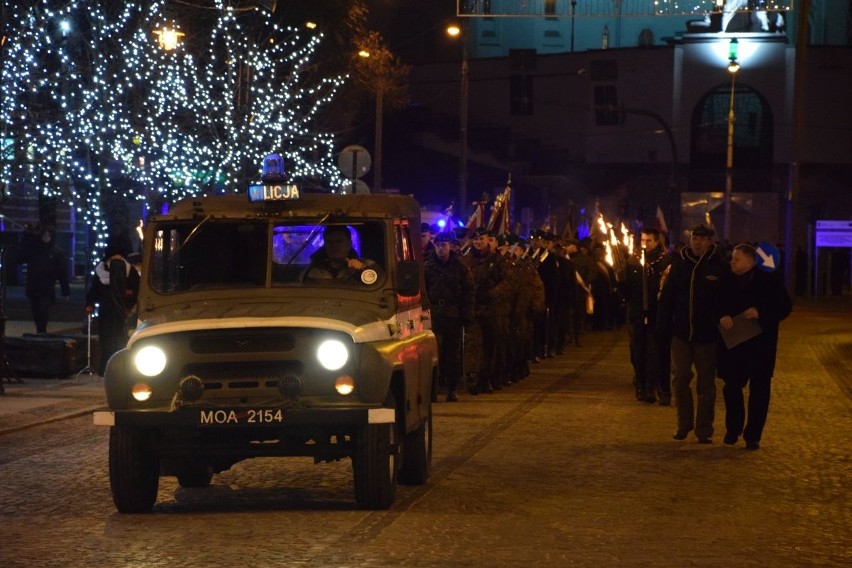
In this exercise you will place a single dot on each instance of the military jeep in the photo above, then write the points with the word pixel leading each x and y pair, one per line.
pixel 242 351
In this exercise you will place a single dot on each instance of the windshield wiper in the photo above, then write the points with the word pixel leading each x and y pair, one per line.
pixel 309 238
pixel 193 232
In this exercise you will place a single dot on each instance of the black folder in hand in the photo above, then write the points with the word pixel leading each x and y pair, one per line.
pixel 743 330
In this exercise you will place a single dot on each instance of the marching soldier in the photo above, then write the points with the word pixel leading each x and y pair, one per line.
pixel 517 303
pixel 492 292
pixel 449 286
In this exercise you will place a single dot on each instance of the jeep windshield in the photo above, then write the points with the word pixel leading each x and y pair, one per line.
pixel 239 253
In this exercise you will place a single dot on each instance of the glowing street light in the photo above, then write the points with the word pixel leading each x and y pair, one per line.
pixel 168 38
pixel 456 31
pixel 733 68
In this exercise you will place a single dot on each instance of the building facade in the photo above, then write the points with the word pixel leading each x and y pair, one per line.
pixel 644 123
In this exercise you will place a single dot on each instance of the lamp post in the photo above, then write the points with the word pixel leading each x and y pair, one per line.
pixel 573 11
pixel 733 67
pixel 378 59
pixel 456 31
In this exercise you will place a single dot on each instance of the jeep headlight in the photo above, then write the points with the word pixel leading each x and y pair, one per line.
pixel 150 361
pixel 332 354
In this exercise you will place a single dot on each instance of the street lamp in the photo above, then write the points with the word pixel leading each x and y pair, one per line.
pixel 168 38
pixel 380 103
pixel 573 10
pixel 733 67
pixel 456 31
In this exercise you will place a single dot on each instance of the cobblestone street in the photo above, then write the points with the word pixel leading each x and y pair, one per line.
pixel 563 469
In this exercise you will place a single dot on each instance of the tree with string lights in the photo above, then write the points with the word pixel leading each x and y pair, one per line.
pixel 96 110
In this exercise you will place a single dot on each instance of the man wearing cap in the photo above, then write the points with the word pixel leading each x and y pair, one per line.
pixel 449 286
pixel 690 307
pixel 531 304
pixel 517 305
pixel 568 295
pixel 426 237
pixel 586 270
pixel 577 310
pixel 551 275
pixel 491 290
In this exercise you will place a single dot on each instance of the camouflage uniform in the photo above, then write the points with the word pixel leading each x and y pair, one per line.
pixel 491 313
pixel 449 286
pixel 530 303
pixel 517 302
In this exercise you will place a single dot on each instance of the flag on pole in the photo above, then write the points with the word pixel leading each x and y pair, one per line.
pixel 499 221
pixel 476 219
pixel 661 221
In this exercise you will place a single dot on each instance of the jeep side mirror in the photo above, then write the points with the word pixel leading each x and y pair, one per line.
pixel 407 278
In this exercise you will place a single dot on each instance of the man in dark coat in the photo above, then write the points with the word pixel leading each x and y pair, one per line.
pixel 46 264
pixel 641 286
pixel 689 310
pixel 551 273
pixel 760 296
pixel 449 287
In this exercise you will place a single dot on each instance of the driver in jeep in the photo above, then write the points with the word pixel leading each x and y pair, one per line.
pixel 337 261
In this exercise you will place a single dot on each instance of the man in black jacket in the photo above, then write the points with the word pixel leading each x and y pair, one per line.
pixel 641 288
pixel 690 310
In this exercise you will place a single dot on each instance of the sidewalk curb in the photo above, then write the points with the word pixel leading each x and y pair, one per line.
pixel 56 418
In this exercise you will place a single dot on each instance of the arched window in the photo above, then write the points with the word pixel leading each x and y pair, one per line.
pixel 752 128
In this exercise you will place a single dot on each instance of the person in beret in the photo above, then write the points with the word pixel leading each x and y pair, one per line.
pixel 449 287
pixel 689 310
pixel 492 289
pixel 426 237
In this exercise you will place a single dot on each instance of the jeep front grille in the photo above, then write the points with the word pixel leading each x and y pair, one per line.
pixel 251 375
pixel 253 342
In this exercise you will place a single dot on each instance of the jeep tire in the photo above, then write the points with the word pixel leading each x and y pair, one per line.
pixel 417 454
pixel 134 473
pixel 374 466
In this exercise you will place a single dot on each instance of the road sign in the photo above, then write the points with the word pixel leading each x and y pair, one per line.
pixel 768 257
pixel 354 161
pixel 834 233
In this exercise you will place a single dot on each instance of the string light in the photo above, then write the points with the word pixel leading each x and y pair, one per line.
pixel 122 117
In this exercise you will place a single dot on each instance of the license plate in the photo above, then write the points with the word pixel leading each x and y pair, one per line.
pixel 240 417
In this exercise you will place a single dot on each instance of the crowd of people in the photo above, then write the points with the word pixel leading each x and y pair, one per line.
pixel 504 303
